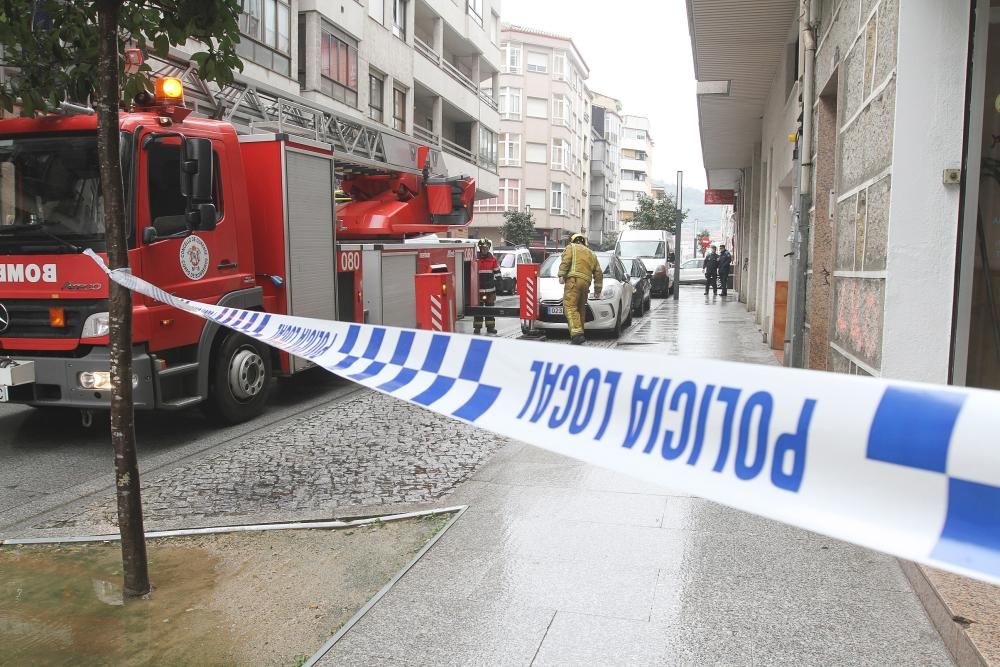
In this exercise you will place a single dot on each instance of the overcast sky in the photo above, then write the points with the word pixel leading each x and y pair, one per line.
pixel 639 51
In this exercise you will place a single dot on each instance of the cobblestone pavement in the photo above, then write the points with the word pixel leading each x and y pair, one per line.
pixel 363 454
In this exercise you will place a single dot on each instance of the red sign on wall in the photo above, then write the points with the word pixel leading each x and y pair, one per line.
pixel 720 197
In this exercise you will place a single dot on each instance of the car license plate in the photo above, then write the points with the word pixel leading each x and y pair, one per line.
pixel 4 393
pixel 556 310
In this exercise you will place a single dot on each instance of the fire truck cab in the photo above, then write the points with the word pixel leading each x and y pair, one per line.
pixel 246 221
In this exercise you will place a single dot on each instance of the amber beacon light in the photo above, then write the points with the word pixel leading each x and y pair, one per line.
pixel 169 91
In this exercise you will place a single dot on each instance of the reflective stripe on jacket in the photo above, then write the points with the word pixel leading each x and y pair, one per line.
pixel 579 261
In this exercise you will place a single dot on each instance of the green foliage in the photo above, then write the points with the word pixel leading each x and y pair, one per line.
pixel 52 44
pixel 518 227
pixel 657 214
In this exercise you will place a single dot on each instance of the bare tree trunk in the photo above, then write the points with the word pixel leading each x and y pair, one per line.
pixel 120 308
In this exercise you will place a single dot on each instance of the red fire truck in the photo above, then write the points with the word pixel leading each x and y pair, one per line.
pixel 246 221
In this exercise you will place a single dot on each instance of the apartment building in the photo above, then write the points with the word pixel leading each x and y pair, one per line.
pixel 413 67
pixel 545 136
pixel 605 168
pixel 636 165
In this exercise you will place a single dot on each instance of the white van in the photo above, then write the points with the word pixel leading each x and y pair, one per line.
pixel 655 249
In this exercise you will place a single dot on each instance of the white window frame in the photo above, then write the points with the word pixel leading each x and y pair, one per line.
pixel 561 110
pixel 510 149
pixel 527 107
pixel 510 193
pixel 510 103
pixel 557 203
pixel 376 10
pixel 538 69
pixel 512 57
pixel 559 67
pixel 560 154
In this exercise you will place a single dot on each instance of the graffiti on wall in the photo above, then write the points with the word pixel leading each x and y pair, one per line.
pixel 858 317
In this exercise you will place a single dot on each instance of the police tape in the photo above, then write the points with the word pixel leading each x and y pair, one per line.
pixel 909 469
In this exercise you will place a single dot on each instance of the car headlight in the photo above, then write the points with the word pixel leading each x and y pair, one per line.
pixel 608 292
pixel 96 325
pixel 100 380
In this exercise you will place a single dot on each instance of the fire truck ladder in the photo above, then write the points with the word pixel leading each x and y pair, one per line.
pixel 254 107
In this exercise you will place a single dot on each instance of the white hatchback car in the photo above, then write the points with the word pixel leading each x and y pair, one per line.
pixel 611 312
pixel 692 271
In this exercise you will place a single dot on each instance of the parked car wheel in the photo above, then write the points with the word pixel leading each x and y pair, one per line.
pixel 648 303
pixel 618 322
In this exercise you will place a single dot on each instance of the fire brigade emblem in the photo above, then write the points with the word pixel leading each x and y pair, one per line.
pixel 194 258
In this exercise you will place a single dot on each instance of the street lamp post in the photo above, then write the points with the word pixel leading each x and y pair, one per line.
pixel 677 234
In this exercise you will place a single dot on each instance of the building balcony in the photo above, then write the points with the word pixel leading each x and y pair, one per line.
pixel 635 165
pixel 597 203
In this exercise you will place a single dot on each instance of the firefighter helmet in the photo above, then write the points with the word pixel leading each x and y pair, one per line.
pixel 578 238
pixel 485 245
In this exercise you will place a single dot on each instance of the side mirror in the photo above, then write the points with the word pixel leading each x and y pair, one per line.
pixel 197 171
pixel 149 235
pixel 203 218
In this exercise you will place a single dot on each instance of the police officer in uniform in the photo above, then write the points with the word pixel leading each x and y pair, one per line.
pixel 489 277
pixel 725 266
pixel 711 268
pixel 579 264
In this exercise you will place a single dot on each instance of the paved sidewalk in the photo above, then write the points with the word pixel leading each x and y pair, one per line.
pixel 558 562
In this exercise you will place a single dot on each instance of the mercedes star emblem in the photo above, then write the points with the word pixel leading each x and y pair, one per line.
pixel 4 318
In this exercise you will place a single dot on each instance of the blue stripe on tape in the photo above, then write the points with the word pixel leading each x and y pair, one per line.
pixel 352 337
pixel 405 377
pixel 971 534
pixel 481 401
pixel 441 386
pixel 346 362
pixel 913 427
pixel 249 323
pixel 435 355
pixel 373 369
pixel 263 324
pixel 403 346
pixel 374 344
pixel 475 360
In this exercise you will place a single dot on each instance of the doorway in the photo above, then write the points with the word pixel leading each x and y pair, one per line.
pixel 976 350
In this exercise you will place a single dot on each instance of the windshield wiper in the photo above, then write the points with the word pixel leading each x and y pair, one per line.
pixel 40 226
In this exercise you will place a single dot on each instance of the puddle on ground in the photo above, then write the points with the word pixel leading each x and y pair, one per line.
pixel 63 605
pixel 263 598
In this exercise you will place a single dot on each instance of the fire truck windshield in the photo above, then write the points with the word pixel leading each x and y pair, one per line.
pixel 50 193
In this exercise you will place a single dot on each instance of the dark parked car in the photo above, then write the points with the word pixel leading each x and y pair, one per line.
pixel 641 282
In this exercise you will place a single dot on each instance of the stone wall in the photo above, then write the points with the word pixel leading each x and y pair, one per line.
pixel 855 66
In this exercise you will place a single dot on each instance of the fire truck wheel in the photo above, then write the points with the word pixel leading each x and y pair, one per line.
pixel 240 381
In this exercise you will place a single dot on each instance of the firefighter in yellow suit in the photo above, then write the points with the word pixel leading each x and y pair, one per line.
pixel 579 265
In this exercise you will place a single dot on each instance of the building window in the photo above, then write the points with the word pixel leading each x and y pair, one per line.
pixel 535 199
pixel 399 18
pixel 487 146
pixel 510 103
pixel 631 175
pixel 538 107
pixel 561 110
pixel 376 10
pixel 510 150
pixel 560 154
pixel 558 203
pixel 376 97
pixel 267 25
pixel 512 58
pixel 475 9
pixel 538 62
pixel 494 28
pixel 559 70
pixel 510 193
pixel 338 66
pixel 536 153
pixel 399 109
